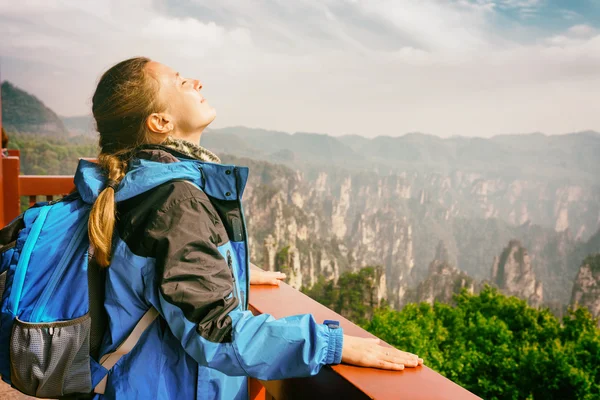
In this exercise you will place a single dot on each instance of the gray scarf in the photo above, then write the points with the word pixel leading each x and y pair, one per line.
pixel 190 149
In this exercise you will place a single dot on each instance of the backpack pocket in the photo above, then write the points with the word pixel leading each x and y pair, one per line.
pixel 51 359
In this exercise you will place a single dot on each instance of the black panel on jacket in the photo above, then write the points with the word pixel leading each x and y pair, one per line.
pixel 231 216
pixel 176 224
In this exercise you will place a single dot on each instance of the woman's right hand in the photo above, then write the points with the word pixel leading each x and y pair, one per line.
pixel 367 352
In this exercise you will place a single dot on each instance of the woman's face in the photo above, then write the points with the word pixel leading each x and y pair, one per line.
pixel 187 109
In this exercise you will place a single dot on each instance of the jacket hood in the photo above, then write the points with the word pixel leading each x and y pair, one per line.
pixel 144 175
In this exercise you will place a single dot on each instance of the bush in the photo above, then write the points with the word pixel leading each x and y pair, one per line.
pixel 498 347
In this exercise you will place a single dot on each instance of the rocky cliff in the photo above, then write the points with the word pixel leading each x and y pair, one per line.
pixel 330 221
pixel 443 281
pixel 335 221
pixel 547 181
pixel 327 224
pixel 513 274
pixel 586 289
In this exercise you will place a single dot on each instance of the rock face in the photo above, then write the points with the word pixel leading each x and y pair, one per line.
pixel 325 224
pixel 586 289
pixel 513 274
pixel 443 281
pixel 341 221
pixel 549 181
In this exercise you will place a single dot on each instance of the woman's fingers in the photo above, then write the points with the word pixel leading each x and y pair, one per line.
pixel 390 365
pixel 400 357
pixel 266 277
pixel 368 353
pixel 274 278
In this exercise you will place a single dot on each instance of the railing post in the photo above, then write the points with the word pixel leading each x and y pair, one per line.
pixel 257 390
pixel 12 201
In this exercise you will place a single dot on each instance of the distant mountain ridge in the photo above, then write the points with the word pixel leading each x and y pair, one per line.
pixel 23 112
pixel 80 125
pixel 570 157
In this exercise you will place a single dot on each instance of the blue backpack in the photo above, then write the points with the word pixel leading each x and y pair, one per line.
pixel 51 310
pixel 52 317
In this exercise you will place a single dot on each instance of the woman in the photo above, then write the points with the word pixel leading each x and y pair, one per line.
pixel 182 250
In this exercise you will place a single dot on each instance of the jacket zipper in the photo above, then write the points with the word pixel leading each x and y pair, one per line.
pixel 40 305
pixel 247 269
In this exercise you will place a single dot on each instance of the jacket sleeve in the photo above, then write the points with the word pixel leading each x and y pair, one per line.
pixel 196 292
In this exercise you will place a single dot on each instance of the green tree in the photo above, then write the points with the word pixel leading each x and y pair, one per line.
pixel 354 296
pixel 498 347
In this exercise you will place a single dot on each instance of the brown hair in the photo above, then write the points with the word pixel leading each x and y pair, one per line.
pixel 123 100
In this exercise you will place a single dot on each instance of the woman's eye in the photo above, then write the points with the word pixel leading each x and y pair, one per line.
pixel 183 83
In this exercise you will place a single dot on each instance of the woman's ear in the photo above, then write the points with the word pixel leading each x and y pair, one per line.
pixel 159 125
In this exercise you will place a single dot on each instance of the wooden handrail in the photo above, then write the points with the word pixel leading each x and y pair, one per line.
pixel 341 381
pixel 45 185
pixel 15 185
pixel 346 381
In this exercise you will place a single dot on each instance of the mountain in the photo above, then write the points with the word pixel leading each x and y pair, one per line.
pixel 267 145
pixel 23 112
pixel 550 181
pixel 586 289
pixel 80 125
pixel 328 221
pixel 516 156
pixel 443 281
pixel 513 274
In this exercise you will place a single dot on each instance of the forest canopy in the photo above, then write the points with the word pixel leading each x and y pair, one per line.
pixel 494 345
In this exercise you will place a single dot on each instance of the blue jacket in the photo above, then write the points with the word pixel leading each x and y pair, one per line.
pixel 184 250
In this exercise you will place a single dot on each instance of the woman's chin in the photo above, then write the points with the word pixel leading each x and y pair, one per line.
pixel 211 117
pixel 208 118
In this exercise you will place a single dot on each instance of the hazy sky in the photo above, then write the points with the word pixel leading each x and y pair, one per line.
pixel 373 67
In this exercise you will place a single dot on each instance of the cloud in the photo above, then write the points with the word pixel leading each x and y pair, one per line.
pixel 582 30
pixel 569 14
pixel 370 67
pixel 192 38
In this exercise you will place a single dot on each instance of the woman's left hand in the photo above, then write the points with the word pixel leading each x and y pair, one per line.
pixel 258 277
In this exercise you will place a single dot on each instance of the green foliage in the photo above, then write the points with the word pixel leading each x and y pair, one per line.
pixel 498 347
pixel 354 296
pixel 493 345
pixel 281 260
pixel 43 155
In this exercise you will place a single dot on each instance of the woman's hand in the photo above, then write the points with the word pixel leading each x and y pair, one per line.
pixel 369 353
pixel 258 277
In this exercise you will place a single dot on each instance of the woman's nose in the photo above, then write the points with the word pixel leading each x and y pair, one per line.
pixel 197 84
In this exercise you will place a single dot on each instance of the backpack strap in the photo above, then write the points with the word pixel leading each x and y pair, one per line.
pixel 96 284
pixel 109 360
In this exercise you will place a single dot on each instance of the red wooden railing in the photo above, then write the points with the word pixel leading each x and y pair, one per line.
pixel 338 382
pixel 14 186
